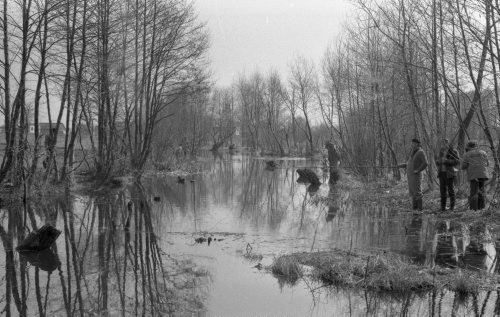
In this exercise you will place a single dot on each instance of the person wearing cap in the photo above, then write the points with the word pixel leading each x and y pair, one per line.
pixel 447 162
pixel 475 161
pixel 417 162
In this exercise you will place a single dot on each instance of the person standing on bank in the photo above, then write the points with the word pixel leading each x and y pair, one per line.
pixel 447 163
pixel 475 161
pixel 417 162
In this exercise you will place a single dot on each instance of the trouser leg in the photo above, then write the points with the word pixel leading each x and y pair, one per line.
pixel 451 191
pixel 442 189
pixel 419 204
pixel 414 203
pixel 415 183
pixel 481 199
pixel 473 197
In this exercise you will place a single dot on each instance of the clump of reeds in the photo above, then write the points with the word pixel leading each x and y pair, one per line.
pixel 464 285
pixel 287 268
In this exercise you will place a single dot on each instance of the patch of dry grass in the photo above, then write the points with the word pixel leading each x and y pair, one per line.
pixel 287 269
pixel 380 272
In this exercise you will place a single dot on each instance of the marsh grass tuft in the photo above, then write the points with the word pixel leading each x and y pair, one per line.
pixel 464 286
pixel 287 269
pixel 380 272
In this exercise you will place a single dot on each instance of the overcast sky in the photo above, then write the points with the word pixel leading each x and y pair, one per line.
pixel 247 35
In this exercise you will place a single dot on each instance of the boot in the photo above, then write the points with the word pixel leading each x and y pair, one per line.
pixel 419 204
pixel 443 203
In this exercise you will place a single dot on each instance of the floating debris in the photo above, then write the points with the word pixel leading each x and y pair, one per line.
pixel 200 240
pixel 271 165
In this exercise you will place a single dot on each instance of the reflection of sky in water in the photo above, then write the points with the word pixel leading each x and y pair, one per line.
pixel 276 215
pixel 112 252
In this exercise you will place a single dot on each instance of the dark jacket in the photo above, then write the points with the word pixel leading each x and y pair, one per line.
pixel 475 162
pixel 451 160
pixel 416 162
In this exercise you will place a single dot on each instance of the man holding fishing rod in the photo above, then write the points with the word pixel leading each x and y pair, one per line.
pixel 446 163
pixel 417 162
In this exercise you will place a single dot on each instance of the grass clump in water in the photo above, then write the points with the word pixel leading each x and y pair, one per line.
pixel 381 272
pixel 287 269
pixel 464 285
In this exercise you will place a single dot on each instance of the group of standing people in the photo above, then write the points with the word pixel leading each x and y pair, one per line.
pixel 474 161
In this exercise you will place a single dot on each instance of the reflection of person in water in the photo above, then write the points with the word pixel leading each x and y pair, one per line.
pixel 480 253
pixel 452 246
pixel 445 247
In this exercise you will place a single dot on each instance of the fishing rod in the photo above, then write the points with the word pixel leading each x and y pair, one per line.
pixel 326 166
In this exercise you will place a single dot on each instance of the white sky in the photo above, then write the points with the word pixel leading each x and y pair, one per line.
pixel 249 35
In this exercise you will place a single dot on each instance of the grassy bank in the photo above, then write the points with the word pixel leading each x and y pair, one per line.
pixel 378 272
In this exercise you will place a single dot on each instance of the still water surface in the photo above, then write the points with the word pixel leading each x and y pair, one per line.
pixel 135 252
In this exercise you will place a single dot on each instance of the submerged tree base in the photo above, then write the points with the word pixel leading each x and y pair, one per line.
pixel 380 272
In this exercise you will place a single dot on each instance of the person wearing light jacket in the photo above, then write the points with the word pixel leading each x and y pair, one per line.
pixel 475 161
pixel 416 164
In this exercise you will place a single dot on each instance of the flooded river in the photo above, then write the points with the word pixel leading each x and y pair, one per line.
pixel 164 248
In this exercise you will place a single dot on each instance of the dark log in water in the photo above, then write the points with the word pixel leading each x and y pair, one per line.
pixel 307 176
pixel 40 239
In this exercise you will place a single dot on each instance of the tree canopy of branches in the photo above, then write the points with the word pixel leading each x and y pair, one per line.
pixel 108 71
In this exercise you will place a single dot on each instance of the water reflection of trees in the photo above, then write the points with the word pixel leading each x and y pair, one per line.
pixel 361 302
pixel 107 260
pixel 263 194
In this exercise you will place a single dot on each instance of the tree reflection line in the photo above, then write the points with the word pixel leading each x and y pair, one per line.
pixel 121 231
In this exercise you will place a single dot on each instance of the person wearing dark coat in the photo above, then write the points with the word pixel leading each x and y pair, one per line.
pixel 447 163
pixel 416 164
pixel 475 161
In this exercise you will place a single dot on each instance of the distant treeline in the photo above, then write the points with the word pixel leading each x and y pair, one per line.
pixel 400 69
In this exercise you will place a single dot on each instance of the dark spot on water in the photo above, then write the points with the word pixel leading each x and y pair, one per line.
pixel 200 240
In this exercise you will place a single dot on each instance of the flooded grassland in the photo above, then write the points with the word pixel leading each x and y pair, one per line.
pixel 206 246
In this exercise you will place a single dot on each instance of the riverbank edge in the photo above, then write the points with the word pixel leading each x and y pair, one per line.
pixel 387 271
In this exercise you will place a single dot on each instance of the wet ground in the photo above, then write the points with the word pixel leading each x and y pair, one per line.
pixel 161 248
